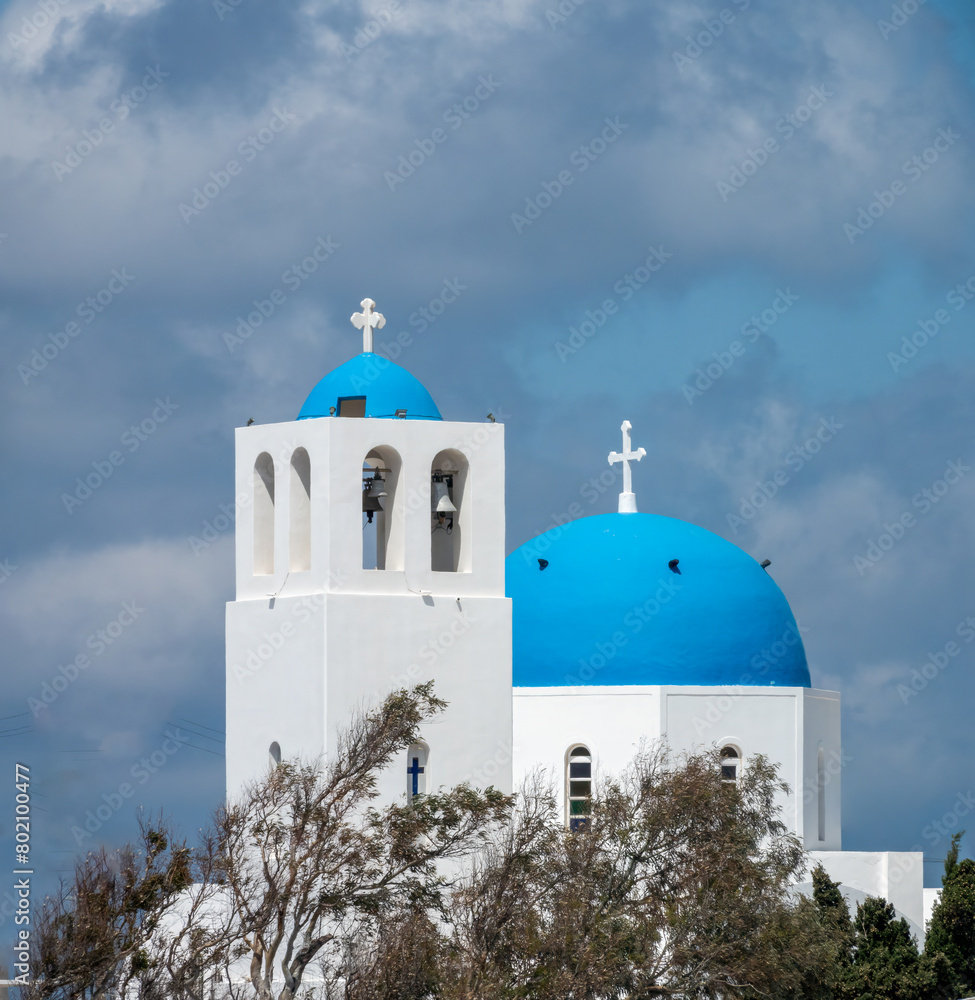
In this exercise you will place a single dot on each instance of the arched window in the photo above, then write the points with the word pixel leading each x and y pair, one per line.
pixel 274 754
pixel 821 792
pixel 417 770
pixel 263 515
pixel 730 763
pixel 383 512
pixel 299 531
pixel 450 542
pixel 578 786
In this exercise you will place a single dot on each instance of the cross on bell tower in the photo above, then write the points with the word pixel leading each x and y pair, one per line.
pixel 367 321
pixel 627 497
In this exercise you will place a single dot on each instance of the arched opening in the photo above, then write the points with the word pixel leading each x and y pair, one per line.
pixel 821 793
pixel 578 787
pixel 263 515
pixel 383 514
pixel 730 763
pixel 274 754
pixel 450 542
pixel 299 531
pixel 417 771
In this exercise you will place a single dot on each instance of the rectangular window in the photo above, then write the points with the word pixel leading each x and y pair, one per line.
pixel 352 406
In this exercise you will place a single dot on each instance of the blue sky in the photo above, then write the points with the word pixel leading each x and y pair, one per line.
pixel 165 164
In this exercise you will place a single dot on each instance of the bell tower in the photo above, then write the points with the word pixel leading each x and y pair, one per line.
pixel 370 556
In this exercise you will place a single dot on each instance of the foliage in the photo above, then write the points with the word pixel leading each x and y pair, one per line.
pixel 91 939
pixel 876 957
pixel 680 885
pixel 952 928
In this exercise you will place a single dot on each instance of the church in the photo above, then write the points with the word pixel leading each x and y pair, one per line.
pixel 370 556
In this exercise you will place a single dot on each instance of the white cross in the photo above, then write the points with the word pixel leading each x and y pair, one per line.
pixel 627 497
pixel 366 321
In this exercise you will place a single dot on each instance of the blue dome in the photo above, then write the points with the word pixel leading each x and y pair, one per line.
pixel 373 383
pixel 608 609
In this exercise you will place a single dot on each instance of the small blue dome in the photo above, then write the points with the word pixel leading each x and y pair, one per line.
pixel 374 384
pixel 608 609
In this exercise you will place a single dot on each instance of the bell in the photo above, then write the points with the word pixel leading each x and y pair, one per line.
pixel 372 490
pixel 440 499
pixel 375 487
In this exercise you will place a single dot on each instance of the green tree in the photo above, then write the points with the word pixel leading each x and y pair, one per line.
pixel 952 928
pixel 679 885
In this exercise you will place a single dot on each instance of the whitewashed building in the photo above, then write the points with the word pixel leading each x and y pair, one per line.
pixel 370 555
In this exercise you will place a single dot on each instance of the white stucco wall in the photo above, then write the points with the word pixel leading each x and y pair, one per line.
pixel 896 876
pixel 307 649
pixel 787 725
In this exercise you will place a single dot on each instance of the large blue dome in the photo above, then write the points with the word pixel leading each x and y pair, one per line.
pixel 608 609
pixel 375 387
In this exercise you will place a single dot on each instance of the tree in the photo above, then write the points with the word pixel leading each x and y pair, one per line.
pixel 679 885
pixel 92 939
pixel 952 928
pixel 874 956
pixel 303 856
pixel 286 875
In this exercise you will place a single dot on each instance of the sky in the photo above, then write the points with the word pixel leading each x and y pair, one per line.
pixel 746 228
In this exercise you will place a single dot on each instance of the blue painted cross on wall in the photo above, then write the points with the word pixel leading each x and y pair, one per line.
pixel 416 771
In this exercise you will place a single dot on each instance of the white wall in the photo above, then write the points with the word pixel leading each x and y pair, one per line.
pixel 336 448
pixel 896 876
pixel 336 638
pixel 787 725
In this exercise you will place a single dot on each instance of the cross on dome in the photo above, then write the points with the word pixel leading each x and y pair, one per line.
pixel 367 321
pixel 627 497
